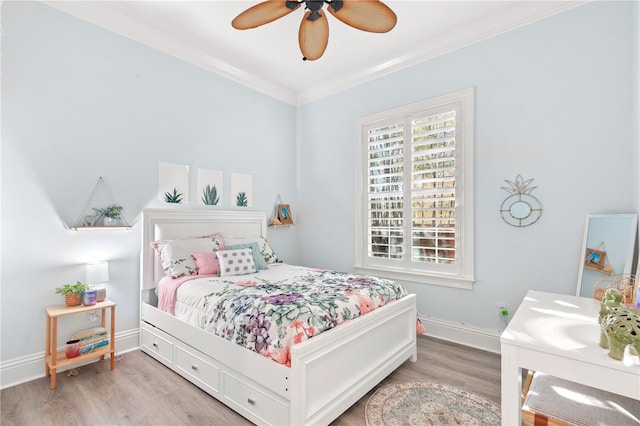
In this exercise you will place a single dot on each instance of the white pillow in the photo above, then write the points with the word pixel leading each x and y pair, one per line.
pixel 175 255
pixel 236 262
pixel 258 260
pixel 265 249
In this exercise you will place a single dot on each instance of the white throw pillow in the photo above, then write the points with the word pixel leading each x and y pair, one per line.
pixel 236 262
pixel 175 255
pixel 265 249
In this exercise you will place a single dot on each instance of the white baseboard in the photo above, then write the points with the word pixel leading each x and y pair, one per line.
pixel 31 367
pixel 459 333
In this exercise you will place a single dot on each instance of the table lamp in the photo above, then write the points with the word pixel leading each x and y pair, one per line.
pixel 97 276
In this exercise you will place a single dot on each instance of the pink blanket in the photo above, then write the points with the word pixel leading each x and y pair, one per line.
pixel 168 290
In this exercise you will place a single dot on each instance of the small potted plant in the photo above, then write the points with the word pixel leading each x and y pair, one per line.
pixel 111 214
pixel 72 293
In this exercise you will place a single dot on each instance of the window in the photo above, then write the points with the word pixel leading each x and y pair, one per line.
pixel 414 192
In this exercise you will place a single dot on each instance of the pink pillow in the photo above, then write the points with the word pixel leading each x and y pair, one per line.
pixel 206 263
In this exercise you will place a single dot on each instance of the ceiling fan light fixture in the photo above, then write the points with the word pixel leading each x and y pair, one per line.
pixel 313 36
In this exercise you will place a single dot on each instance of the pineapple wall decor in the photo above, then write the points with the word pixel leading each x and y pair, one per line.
pixel 520 208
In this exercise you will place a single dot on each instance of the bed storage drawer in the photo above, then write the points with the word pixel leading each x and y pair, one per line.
pixel 157 346
pixel 265 409
pixel 198 369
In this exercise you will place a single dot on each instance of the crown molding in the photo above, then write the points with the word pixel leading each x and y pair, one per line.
pixel 516 17
pixel 133 29
pixel 519 15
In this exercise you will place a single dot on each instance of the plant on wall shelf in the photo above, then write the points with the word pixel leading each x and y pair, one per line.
pixel 173 198
pixel 113 211
pixel 210 195
pixel 241 199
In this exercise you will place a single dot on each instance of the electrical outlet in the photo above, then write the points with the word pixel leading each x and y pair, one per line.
pixel 92 316
pixel 502 309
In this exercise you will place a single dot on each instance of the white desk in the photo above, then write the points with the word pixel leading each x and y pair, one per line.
pixel 559 335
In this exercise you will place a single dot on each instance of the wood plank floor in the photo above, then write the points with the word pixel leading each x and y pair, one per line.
pixel 141 391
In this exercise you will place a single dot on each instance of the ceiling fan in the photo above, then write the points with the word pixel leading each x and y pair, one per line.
pixel 367 15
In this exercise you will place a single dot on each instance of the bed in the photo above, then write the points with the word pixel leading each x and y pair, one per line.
pixel 322 376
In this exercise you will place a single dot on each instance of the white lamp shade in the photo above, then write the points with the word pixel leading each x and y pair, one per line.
pixel 97 272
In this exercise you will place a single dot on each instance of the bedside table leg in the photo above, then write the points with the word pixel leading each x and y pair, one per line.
pixel 47 348
pixel 53 378
pixel 54 351
pixel 113 341
pixel 103 322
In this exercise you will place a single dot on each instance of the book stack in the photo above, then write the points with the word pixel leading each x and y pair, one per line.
pixel 91 339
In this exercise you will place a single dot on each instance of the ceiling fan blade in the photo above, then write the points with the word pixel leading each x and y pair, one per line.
pixel 366 15
pixel 313 36
pixel 263 13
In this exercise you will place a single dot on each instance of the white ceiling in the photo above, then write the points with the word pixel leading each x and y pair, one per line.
pixel 268 58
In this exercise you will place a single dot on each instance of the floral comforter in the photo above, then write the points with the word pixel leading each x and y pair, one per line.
pixel 269 311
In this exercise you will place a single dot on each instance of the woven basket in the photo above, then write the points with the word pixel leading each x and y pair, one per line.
pixel 72 299
pixel 625 283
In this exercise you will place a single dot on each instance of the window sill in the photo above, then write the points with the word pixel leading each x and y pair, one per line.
pixel 417 276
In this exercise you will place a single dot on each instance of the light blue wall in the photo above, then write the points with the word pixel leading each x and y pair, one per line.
pixel 79 102
pixel 555 101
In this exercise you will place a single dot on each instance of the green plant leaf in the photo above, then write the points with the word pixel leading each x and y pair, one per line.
pixel 241 199
pixel 210 195
pixel 78 288
pixel 173 198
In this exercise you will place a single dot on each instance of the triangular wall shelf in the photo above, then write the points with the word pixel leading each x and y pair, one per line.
pixel 98 208
pixel 281 214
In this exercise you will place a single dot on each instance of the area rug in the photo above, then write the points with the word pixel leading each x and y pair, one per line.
pixel 428 403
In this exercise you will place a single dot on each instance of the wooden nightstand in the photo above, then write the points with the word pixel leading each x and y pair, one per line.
pixel 55 359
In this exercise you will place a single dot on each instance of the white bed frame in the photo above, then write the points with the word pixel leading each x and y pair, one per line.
pixel 328 373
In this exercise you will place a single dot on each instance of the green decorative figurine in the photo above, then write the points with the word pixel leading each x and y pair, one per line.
pixel 611 304
pixel 620 324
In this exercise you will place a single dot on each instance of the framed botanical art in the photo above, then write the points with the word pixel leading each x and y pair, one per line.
pixel 284 214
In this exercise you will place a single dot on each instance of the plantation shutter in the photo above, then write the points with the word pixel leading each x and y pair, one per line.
pixel 385 191
pixel 425 209
pixel 433 188
pixel 415 192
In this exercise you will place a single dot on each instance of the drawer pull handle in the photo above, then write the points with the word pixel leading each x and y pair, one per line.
pixel 155 345
pixel 194 367
pixel 251 401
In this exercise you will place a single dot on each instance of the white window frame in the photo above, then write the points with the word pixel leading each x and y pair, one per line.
pixel 463 276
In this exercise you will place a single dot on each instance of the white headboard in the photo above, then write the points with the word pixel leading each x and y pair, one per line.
pixel 181 223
